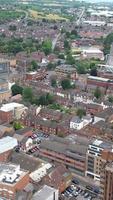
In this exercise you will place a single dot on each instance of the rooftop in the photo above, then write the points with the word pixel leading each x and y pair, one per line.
pixel 102 144
pixel 25 161
pixel 44 193
pixel 98 78
pixel 10 106
pixel 10 173
pixel 65 146
pixel 7 143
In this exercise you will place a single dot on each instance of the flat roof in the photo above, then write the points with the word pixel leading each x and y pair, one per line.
pixel 10 106
pixel 91 50
pixel 7 143
pixel 44 193
pixel 94 22
pixel 64 146
pixel 98 78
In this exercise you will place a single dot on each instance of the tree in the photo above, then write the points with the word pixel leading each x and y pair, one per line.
pixel 34 65
pixel 66 44
pixel 12 28
pixel 47 46
pixel 70 60
pixel 53 83
pixel 66 84
pixel 110 99
pixel 17 125
pixel 97 93
pixel 74 32
pixel 81 112
pixel 61 56
pixel 107 43
pixel 27 94
pixel 50 66
pixel 81 69
pixel 93 71
pixel 16 89
pixel 46 99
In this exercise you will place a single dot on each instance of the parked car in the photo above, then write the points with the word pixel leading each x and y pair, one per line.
pixel 75 181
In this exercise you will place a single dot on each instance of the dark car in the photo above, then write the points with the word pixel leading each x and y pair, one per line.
pixel 75 181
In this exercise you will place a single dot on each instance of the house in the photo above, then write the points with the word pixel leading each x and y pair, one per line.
pixel 63 71
pixel 50 114
pixel 35 75
pixel 77 123
pixel 59 178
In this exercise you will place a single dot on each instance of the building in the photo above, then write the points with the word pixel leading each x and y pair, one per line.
pixel 64 151
pixel 95 23
pixel 63 71
pixel 7 144
pixel 103 83
pixel 93 158
pixel 60 178
pixel 92 53
pixel 4 68
pixel 37 75
pixel 12 179
pixel 5 92
pixel 46 193
pixel 11 111
pixel 106 178
pixel 77 123
pixel 39 173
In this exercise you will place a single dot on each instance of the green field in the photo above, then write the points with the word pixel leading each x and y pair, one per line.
pixel 41 15
pixel 9 15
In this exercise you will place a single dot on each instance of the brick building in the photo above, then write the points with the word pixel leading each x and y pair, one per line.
pixel 106 178
pixel 103 83
pixel 65 152
pixel 12 180
pixel 7 144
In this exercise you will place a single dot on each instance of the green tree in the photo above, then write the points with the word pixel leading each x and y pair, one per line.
pixel 61 56
pixel 66 44
pixel 16 89
pixel 17 125
pixel 46 99
pixel 70 60
pixel 51 66
pixel 93 71
pixel 53 82
pixel 34 65
pixel 12 28
pixel 47 46
pixel 97 93
pixel 81 69
pixel 107 43
pixel 27 94
pixel 66 84
pixel 80 113
pixel 110 99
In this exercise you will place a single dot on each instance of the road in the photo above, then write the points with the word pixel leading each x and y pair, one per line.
pixel 55 41
pixel 80 17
